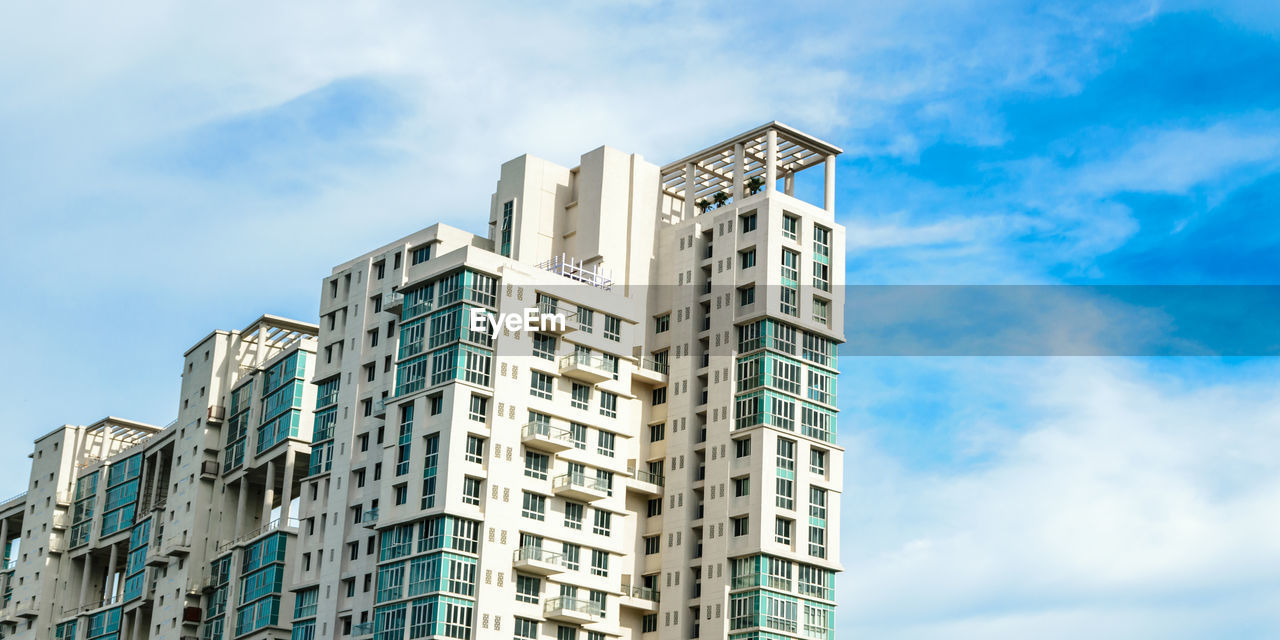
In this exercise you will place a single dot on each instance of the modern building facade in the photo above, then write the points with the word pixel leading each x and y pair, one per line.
pixel 652 456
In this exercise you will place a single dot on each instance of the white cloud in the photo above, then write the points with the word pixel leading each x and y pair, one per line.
pixel 1127 503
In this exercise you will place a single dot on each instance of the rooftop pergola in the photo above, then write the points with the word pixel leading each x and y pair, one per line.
pixel 767 152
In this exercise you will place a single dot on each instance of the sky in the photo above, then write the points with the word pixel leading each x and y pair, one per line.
pixel 169 169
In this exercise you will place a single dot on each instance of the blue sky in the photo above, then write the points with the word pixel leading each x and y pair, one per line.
pixel 165 170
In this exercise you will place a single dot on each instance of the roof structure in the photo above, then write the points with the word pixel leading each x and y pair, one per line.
pixel 728 165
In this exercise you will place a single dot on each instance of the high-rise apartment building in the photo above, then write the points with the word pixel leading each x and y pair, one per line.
pixel 612 415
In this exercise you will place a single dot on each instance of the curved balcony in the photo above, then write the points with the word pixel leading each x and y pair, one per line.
pixel 537 560
pixel 541 436
pixel 580 486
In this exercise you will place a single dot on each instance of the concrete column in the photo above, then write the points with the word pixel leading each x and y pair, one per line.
pixel 771 162
pixel 242 495
pixel 829 185
pixel 4 537
pixel 84 579
pixel 137 624
pixel 789 182
pixel 269 492
pixel 740 165
pixel 690 176
pixel 108 589
pixel 286 489
pixel 126 625
pixel 155 480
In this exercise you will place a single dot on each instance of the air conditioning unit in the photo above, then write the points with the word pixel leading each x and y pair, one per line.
pixel 217 413
pixel 209 469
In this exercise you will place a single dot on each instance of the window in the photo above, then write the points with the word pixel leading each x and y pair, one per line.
pixel 817 504
pixel 786 454
pixel 608 404
pixel 526 629
pixel 662 323
pixel 578 435
pixel 535 465
pixel 790 224
pixel 604 443
pixel 649 623
pixel 747 296
pixel 603 524
pixel 785 489
pixel 657 432
pixel 821 276
pixel 612 328
pixel 652 545
pixel 742 448
pixel 508 211
pixel 475 449
pixel 790 267
pixel 653 507
pixel 659 396
pixel 817 542
pixel 420 255
pixel 581 398
pixel 748 223
pixel 535 506
pixel 435 404
pixel 599 563
pixel 540 385
pixel 544 346
pixel 741 526
pixel 821 242
pixel 782 531
pixel 820 313
pixel 570 556
pixel 528 588
pixel 818 461
pixel 586 320
pixel 741 486
pixel 471 488
pixel 479 410
pixel 747 259
pixel 573 512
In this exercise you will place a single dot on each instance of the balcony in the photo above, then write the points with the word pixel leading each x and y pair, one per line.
pixel 541 436
pixel 537 560
pixel 393 302
pixel 644 482
pixel 362 629
pixel 566 609
pixel 176 546
pixel 585 367
pixel 369 518
pixel 580 486
pixel 642 598
pixel 553 308
pixel 380 407
pixel 577 271
pixel 650 370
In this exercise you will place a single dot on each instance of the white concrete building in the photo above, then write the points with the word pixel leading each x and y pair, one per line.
pixel 654 458
pixel 663 466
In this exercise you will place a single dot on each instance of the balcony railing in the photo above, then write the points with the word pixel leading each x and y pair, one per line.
pixel 643 593
pixel 653 365
pixel 580 481
pixel 362 629
pixel 645 476
pixel 537 554
pixel 577 271
pixel 544 430
pixel 566 603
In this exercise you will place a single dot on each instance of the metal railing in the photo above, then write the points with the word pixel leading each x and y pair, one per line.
pixel 585 360
pixel 14 498
pixel 580 481
pixel 566 603
pixel 277 524
pixel 545 430
pixel 652 365
pixel 643 593
pixel 537 554
pixel 646 476
pixel 577 271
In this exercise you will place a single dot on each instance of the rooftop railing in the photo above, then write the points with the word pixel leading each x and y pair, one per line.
pixel 577 271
